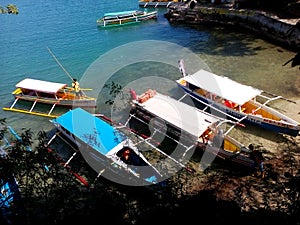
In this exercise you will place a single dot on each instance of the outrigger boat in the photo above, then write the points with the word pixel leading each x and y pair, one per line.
pixel 105 148
pixel 238 101
pixel 9 194
pixel 200 129
pixel 49 93
pixel 150 3
pixel 125 17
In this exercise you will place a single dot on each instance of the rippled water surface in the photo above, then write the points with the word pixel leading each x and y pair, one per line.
pixel 69 29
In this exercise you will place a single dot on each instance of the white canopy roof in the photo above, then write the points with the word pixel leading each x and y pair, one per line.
pixel 183 116
pixel 40 86
pixel 222 86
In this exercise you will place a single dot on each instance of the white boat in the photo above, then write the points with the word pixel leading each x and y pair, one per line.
pixel 150 3
pixel 240 102
pixel 106 148
pixel 49 93
pixel 188 122
pixel 125 17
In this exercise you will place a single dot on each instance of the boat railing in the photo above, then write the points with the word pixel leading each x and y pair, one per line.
pixel 265 104
pixel 155 131
pixel 271 94
pixel 209 106
pixel 236 124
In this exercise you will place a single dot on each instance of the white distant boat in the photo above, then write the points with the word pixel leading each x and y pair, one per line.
pixel 150 3
pixel 125 17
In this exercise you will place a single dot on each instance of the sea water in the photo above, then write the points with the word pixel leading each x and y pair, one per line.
pixel 135 54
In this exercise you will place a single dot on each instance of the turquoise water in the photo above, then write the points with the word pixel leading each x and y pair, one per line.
pixel 69 29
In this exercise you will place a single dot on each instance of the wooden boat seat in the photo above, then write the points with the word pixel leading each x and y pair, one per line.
pixel 230 147
pixel 251 109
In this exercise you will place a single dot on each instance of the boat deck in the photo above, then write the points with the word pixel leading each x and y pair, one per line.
pixel 176 113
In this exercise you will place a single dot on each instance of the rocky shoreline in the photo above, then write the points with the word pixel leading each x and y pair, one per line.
pixel 281 29
pixel 262 201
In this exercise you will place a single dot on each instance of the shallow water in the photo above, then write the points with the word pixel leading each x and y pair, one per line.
pixel 70 31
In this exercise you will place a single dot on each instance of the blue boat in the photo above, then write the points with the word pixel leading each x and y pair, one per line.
pixel 9 194
pixel 237 101
pixel 106 148
pixel 9 188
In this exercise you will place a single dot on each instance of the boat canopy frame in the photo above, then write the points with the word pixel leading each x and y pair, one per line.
pixel 222 86
pixel 41 86
pixel 157 106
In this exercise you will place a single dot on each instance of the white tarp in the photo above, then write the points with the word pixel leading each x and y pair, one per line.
pixel 40 86
pixel 182 115
pixel 223 86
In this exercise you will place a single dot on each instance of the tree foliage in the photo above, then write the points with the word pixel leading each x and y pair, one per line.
pixel 50 194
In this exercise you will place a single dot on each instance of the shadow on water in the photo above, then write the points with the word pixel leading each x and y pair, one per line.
pixel 224 40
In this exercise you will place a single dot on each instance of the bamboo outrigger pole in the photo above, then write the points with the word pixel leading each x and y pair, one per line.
pixel 60 64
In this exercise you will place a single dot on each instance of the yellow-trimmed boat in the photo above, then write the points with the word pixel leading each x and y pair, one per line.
pixel 50 93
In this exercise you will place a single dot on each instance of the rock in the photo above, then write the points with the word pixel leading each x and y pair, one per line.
pixel 284 31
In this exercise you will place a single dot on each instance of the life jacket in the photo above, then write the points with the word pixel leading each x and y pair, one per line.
pixel 126 154
pixel 229 104
pixel 75 85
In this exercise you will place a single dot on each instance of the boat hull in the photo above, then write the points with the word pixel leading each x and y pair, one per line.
pixel 240 158
pixel 128 20
pixel 84 102
pixel 276 126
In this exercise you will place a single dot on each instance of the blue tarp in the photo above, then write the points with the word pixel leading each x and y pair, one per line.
pixel 91 130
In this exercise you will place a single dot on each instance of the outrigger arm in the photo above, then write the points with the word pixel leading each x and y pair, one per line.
pixel 148 139
pixel 11 108
pixel 14 103
pixel 277 96
pixel 52 109
pixel 208 105
pixel 235 124
pixel 157 130
pixel 33 105
pixel 53 137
